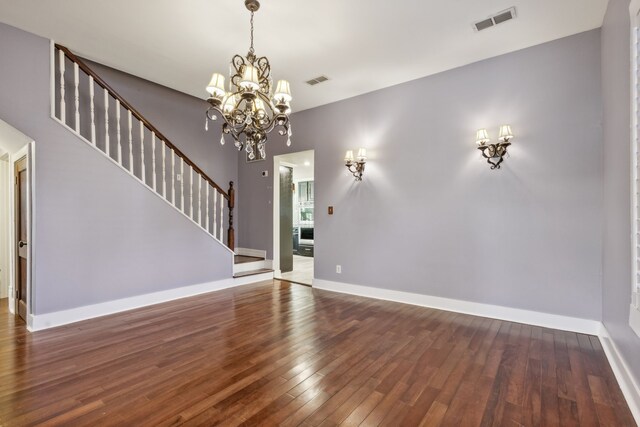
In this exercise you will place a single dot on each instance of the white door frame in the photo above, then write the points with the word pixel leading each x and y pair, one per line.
pixel 277 162
pixel 7 205
pixel 28 151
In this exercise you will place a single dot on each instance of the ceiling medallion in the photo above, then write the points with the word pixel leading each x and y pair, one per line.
pixel 249 109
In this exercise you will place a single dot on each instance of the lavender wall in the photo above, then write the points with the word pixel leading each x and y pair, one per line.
pixel 100 235
pixel 430 217
pixel 617 278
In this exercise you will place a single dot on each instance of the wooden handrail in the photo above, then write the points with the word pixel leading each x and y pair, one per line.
pixel 84 67
pixel 231 234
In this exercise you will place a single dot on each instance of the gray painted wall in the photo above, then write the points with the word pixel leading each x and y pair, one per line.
pixel 617 277
pixel 430 217
pixel 99 235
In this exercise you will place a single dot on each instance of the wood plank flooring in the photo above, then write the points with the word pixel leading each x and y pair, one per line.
pixel 276 353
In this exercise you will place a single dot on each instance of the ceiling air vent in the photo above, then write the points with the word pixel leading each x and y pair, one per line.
pixel 317 80
pixel 483 25
pixel 496 19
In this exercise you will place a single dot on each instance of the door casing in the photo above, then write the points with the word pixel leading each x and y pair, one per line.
pixel 27 151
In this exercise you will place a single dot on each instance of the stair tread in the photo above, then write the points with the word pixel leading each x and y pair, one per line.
pixel 253 272
pixel 241 259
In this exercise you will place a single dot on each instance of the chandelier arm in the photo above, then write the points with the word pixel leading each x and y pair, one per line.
pixel 274 122
pixel 233 130
pixel 278 119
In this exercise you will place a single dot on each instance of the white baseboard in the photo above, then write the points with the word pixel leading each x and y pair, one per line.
pixel 251 252
pixel 626 381
pixel 547 320
pixel 51 320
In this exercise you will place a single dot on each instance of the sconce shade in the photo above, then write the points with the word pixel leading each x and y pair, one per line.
pixel 283 91
pixel 349 156
pixel 482 137
pixel 505 133
pixel 362 154
pixel 250 78
pixel 216 85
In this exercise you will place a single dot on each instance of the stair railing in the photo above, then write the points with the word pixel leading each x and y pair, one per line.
pixel 137 146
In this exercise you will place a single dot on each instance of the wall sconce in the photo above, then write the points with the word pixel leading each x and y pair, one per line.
pixel 357 167
pixel 494 153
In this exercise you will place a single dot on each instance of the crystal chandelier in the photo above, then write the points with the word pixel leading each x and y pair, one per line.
pixel 248 107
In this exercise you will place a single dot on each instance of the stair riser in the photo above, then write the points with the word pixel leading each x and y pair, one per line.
pixel 248 266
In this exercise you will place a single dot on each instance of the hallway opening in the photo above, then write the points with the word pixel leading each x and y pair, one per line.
pixel 294 230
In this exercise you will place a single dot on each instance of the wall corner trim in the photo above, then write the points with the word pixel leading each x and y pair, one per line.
pixel 630 388
pixel 547 320
pixel 40 322
pixel 634 317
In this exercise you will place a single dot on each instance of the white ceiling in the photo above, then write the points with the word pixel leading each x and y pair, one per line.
pixel 361 45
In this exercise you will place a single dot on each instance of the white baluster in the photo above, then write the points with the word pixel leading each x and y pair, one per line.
pixel 63 104
pixel 130 142
pixel 76 82
pixel 173 178
pixel 119 132
pixel 181 184
pixel 208 227
pixel 191 192
pixel 92 110
pixel 164 170
pixel 143 172
pixel 221 217
pixel 215 213
pixel 107 144
pixel 200 200
pixel 153 160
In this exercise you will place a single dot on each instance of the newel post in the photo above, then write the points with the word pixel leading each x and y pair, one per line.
pixel 231 232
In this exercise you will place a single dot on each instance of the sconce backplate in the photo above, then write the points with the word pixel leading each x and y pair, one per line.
pixel 494 153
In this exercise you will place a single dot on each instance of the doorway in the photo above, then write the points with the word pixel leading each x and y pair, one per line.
pixel 16 180
pixel 294 231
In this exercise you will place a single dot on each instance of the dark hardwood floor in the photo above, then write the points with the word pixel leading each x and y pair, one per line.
pixel 283 354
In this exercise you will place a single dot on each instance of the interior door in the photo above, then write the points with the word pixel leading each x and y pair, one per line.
pixel 21 236
pixel 286 219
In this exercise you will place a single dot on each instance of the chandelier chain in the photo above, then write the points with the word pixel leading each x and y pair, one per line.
pixel 251 48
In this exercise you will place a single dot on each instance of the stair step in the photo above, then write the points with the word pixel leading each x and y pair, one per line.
pixel 252 272
pixel 241 259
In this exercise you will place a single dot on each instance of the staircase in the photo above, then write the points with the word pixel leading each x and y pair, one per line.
pixel 87 106
pixel 250 265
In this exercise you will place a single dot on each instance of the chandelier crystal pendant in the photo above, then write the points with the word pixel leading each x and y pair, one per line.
pixel 249 108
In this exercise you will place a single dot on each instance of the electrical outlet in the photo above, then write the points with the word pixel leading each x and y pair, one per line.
pixel 339 269
pixel 178 177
